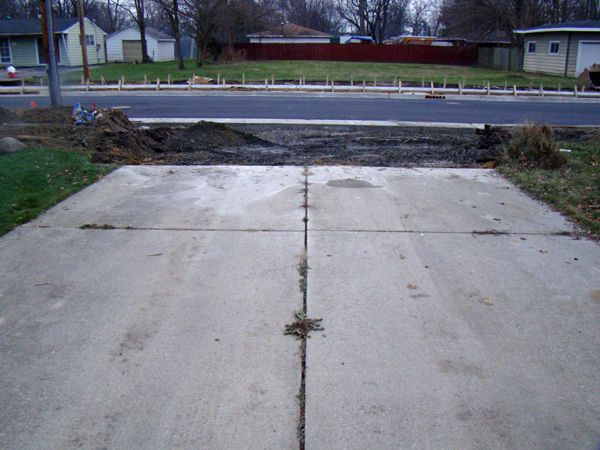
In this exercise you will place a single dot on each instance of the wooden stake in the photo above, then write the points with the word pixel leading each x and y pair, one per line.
pixel 102 81
pixel 375 81
pixel 267 84
pixel 432 88
pixel 87 85
pixel 351 80
pixel 194 79
pixel 541 93
pixel 120 85
pixel 445 81
pixel 515 90
pixel 423 82
pixel 145 79
pixel 273 79
pixel 122 79
pixel 364 85
pixel 22 86
pixel 505 85
pixel 460 87
pixel 575 93
pixel 243 79
pixel 189 85
pixel 169 79
pixel 559 87
pixel 332 85
pixel 158 84
pixel 400 87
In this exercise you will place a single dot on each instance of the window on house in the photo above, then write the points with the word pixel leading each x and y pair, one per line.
pixel 554 48
pixel 89 40
pixel 531 47
pixel 5 57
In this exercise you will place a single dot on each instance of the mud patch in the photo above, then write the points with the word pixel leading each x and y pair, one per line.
pixel 114 139
pixel 351 183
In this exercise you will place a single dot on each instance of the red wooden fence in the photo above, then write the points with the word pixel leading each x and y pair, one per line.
pixel 419 54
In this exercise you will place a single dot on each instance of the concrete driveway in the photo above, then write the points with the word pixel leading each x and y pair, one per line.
pixel 457 313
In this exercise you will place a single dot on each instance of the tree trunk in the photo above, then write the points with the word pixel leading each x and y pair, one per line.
pixel 200 48
pixel 145 57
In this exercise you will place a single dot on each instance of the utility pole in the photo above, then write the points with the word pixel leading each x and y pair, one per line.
pixel 361 15
pixel 83 40
pixel 50 53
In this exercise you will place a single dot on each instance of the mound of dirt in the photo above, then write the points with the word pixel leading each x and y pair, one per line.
pixel 61 114
pixel 116 139
pixel 6 116
pixel 207 136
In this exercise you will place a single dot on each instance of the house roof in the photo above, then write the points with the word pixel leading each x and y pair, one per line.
pixel 586 26
pixel 12 27
pixel 153 32
pixel 290 30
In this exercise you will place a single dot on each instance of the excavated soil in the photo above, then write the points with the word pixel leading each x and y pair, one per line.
pixel 114 139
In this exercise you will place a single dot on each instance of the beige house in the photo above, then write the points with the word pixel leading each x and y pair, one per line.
pixel 21 42
pixel 565 49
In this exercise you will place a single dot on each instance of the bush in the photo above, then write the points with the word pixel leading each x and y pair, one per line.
pixel 533 146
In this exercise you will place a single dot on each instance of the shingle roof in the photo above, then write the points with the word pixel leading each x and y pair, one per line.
pixel 153 32
pixel 291 30
pixel 580 25
pixel 11 27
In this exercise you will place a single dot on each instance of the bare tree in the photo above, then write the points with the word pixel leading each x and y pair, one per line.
pixel 205 16
pixel 137 12
pixel 171 9
pixel 380 16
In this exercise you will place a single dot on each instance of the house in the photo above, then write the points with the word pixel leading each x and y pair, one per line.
pixel 21 42
pixel 565 49
pixel 290 33
pixel 126 45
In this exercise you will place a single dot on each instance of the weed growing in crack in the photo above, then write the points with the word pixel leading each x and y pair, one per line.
pixel 302 327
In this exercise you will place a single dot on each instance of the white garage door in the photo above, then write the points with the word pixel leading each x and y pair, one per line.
pixel 588 54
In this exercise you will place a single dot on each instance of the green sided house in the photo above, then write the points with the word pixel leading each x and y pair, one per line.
pixel 565 49
pixel 21 42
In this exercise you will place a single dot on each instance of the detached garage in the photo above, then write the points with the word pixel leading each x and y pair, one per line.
pixel 126 46
pixel 565 49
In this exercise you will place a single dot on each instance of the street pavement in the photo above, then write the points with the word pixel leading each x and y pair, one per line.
pixel 457 313
pixel 500 111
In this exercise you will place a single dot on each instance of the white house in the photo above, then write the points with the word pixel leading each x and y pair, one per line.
pixel 21 42
pixel 565 49
pixel 126 46
pixel 290 33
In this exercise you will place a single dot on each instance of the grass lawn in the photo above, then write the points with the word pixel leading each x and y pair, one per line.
pixel 33 180
pixel 574 189
pixel 257 71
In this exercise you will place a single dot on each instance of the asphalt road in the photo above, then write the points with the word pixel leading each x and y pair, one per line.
pixel 278 106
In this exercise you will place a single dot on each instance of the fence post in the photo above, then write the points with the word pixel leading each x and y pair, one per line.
pixel 102 81
pixel 123 79
pixel 487 88
pixel 375 81
pixel 515 90
pixel 445 81
pixel 22 86
pixel 267 84
pixel 541 93
pixel 189 84
pixel 460 87
pixel 273 79
pixel 158 84
pixel 145 79
pixel 87 85
pixel 224 81
pixel 400 87
pixel 364 85
pixel 575 93
pixel 332 85
pixel 218 79
pixel 243 79
pixel 120 85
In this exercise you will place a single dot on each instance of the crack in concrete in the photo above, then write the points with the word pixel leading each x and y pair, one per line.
pixel 108 227
pixel 571 234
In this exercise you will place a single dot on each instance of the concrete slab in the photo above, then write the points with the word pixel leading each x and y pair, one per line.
pixel 452 341
pixel 148 339
pixel 193 197
pixel 424 200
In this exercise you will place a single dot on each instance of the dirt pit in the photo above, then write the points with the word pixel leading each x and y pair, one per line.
pixel 114 139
